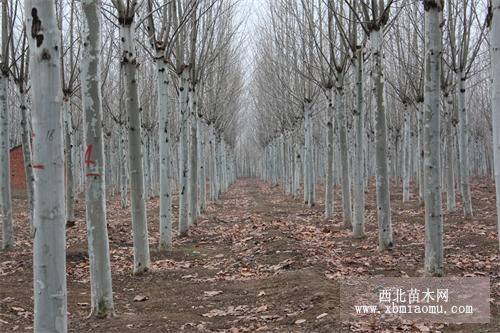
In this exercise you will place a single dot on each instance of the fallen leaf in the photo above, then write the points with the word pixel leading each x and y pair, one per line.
pixel 212 293
pixel 261 308
pixel 140 298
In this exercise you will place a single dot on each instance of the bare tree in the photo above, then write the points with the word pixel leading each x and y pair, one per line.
pixel 49 246
pixel 97 232
pixel 377 16
pixel 126 21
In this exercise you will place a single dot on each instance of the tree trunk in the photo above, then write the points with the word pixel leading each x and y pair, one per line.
pixel 432 140
pixel 202 197
pixel 68 148
pixel 296 169
pixel 420 152
pixel 463 146
pixel 382 176
pixel 193 157
pixel 97 232
pixel 309 157
pixel 139 219
pixel 329 163
pixel 183 146
pixel 165 151
pixel 358 190
pixel 5 190
pixel 406 154
pixel 27 154
pixel 450 179
pixel 123 167
pixel 49 245
pixel 344 156
pixel 495 97
pixel 212 169
pixel 5 195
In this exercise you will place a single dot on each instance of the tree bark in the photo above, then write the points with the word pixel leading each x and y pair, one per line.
pixel 329 163
pixel 136 169
pixel 309 156
pixel 358 190
pixel 406 153
pixel 5 194
pixel 432 139
pixel 95 194
pixel 202 195
pixel 68 148
pixel 27 154
pixel 123 167
pixel 5 190
pixel 450 178
pixel 382 176
pixel 463 146
pixel 495 97
pixel 193 157
pixel 165 152
pixel 49 245
pixel 183 146
pixel 344 155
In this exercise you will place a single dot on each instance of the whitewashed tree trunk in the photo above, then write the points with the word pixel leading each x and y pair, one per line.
pixel 420 151
pixel 223 164
pixel 329 163
pixel 193 157
pixel 344 156
pixel 283 162
pixel 406 153
pixel 432 139
pixel 309 156
pixel 49 245
pixel 495 97
pixel 463 146
pixel 202 195
pixel 450 178
pixel 5 194
pixel 165 152
pixel 213 162
pixel 68 148
pixel 184 158
pixel 123 167
pixel 358 183
pixel 95 194
pixel 382 175
pixel 139 219
pixel 27 154
pixel 296 166
pixel 218 165
pixel 5 190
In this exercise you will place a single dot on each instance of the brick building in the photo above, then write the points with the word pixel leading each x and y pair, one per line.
pixel 18 177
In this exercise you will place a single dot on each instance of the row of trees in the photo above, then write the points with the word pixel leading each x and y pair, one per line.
pixel 149 95
pixel 347 90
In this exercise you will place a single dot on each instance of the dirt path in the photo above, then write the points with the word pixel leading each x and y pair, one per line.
pixel 256 261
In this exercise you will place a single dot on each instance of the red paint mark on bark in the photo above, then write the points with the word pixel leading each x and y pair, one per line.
pixel 88 153
pixel 38 166
pixel 93 174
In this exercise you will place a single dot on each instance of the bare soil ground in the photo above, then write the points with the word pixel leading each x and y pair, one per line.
pixel 257 261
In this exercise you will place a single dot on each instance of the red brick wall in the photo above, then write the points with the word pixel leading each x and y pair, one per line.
pixel 18 178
